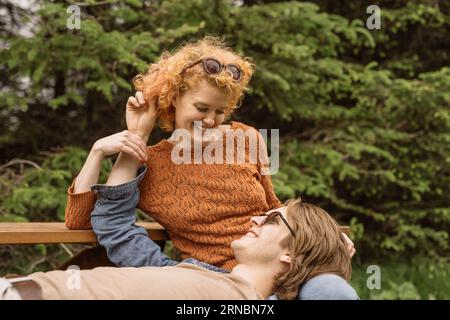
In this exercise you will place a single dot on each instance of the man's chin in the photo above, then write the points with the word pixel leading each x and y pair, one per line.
pixel 236 243
pixel 239 242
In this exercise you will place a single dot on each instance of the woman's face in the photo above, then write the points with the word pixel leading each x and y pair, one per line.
pixel 203 103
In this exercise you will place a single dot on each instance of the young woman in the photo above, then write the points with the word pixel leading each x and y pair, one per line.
pixel 203 206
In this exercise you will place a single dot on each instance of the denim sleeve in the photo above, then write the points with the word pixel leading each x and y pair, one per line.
pixel 113 221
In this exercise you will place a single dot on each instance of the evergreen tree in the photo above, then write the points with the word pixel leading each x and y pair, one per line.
pixel 363 114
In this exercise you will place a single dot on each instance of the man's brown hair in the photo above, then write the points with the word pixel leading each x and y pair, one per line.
pixel 318 248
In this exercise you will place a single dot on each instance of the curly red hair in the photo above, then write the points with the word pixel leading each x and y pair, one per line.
pixel 163 82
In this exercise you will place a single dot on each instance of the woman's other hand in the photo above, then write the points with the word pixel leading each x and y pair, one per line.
pixel 125 141
pixel 140 115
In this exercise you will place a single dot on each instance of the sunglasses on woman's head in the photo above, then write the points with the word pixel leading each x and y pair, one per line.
pixel 271 217
pixel 213 67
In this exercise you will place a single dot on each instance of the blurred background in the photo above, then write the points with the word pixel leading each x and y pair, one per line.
pixel 364 115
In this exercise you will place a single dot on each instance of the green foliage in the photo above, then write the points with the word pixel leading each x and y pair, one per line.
pixel 420 278
pixel 40 192
pixel 25 259
pixel 364 115
pixel 383 160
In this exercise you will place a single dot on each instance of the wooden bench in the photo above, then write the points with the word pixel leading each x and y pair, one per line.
pixel 13 233
pixel 57 232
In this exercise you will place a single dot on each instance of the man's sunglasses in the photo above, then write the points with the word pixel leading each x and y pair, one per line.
pixel 213 67
pixel 272 216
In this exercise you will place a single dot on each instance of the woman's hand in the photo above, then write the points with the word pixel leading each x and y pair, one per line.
pixel 350 245
pixel 140 115
pixel 126 142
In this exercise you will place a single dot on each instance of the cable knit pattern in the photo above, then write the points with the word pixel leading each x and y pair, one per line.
pixel 204 207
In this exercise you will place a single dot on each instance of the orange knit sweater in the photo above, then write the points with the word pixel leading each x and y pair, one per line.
pixel 204 207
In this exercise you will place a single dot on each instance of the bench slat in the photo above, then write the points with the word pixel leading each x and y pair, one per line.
pixel 57 232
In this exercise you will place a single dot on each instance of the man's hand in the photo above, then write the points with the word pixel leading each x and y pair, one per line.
pixel 350 245
pixel 140 115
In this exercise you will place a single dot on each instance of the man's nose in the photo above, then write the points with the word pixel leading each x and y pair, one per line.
pixel 256 220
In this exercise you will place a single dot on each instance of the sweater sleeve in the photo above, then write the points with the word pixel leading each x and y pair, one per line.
pixel 78 208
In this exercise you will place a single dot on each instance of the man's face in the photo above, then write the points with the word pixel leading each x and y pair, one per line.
pixel 262 242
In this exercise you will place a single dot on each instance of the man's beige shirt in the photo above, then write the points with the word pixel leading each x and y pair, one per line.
pixel 184 281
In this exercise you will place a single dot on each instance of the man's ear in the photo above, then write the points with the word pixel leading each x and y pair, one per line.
pixel 286 258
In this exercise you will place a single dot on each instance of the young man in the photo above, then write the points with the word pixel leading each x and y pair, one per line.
pixel 282 250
